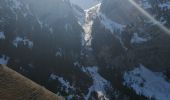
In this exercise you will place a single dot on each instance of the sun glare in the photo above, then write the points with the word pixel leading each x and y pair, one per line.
pixel 159 24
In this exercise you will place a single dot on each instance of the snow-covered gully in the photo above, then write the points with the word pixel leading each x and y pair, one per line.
pixel 99 83
pixel 89 16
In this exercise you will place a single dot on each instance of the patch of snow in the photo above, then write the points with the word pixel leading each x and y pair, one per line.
pixel 113 27
pixel 138 40
pixel 59 52
pixel 51 29
pixel 2 36
pixel 77 64
pixel 95 7
pixel 66 27
pixel 40 22
pixel 80 15
pixel 145 4
pixel 53 76
pixel 4 60
pixel 28 42
pixel 162 20
pixel 99 83
pixel 23 41
pixel 63 82
pixel 16 4
pixel 17 40
pixel 147 83
pixel 70 97
pixel 109 24
pixel 165 5
pixel 87 36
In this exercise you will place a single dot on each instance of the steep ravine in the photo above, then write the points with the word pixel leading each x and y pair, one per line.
pixel 89 64
pixel 90 15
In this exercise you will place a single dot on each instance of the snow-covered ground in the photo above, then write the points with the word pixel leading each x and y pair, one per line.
pixel 136 39
pixel 4 60
pixel 24 41
pixel 147 83
pixel 165 5
pixel 99 83
pixel 90 15
pixel 63 82
pixel 2 36
pixel 145 4
pixel 109 24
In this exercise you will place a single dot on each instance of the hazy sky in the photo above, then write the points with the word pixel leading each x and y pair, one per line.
pixel 85 3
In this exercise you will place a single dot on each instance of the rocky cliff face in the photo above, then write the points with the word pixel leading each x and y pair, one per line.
pixel 104 52
pixel 141 35
pixel 35 35
pixel 129 35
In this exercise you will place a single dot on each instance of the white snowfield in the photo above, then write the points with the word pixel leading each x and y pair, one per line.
pixel 147 83
pixel 109 24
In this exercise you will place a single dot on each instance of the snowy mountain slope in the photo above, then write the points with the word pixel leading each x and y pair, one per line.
pixel 158 9
pixel 147 83
pixel 99 86
pixel 53 41
pixel 109 24
pixel 138 31
pixel 138 38
pixel 35 37
pixel 66 85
